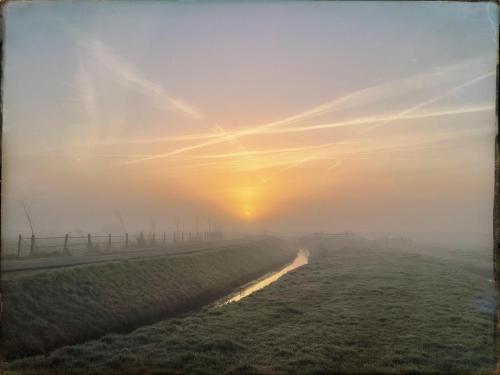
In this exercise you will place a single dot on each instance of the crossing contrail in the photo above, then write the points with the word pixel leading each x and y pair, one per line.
pixel 405 115
pixel 305 128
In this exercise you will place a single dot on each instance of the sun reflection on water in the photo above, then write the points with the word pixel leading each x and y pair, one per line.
pixel 301 260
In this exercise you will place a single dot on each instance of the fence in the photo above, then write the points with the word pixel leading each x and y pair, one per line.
pixel 69 243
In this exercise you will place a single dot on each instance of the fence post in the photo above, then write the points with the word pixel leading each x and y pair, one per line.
pixel 126 240
pixel 109 241
pixel 153 239
pixel 174 237
pixel 32 245
pixel 65 249
pixel 89 242
pixel 164 238
pixel 141 241
pixel 19 244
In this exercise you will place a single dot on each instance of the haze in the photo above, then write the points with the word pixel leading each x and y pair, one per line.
pixel 284 117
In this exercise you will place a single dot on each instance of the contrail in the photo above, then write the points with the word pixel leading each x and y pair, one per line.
pixel 314 156
pixel 372 93
pixel 238 143
pixel 429 141
pixel 241 147
pixel 263 129
pixel 432 100
pixel 334 166
pixel 266 158
pixel 265 180
pixel 358 121
pixel 326 154
pixel 262 152
pixel 405 115
pixel 219 139
pixel 331 168
pixel 363 95
pixel 385 119
pixel 126 73
pixel 252 154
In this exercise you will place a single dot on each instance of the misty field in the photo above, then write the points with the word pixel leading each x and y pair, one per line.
pixel 46 310
pixel 347 311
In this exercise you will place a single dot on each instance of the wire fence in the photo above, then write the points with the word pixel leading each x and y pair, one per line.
pixel 76 244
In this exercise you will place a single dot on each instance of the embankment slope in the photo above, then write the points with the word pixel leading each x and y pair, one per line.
pixel 47 310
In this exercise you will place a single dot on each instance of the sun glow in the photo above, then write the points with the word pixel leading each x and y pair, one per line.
pixel 248 211
pixel 245 197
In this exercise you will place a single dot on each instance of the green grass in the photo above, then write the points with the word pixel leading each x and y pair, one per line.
pixel 50 309
pixel 348 311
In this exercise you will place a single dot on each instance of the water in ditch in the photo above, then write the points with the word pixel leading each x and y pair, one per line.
pixel 301 259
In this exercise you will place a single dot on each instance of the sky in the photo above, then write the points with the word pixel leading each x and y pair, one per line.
pixel 373 117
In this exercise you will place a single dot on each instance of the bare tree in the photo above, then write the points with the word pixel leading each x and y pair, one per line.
pixel 27 212
pixel 122 222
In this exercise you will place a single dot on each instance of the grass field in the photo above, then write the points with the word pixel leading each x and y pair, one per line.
pixel 346 311
pixel 49 309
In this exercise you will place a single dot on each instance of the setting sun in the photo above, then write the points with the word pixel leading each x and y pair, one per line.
pixel 248 211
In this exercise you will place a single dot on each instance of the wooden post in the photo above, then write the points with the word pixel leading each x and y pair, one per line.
pixel 496 235
pixel 141 241
pixel 164 238
pixel 109 241
pixel 65 248
pixel 32 245
pixel 19 245
pixel 89 242
pixel 175 239
pixel 496 220
pixel 182 236
pixel 126 240
pixel 153 239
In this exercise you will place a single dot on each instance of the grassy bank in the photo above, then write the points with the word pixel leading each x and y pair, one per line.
pixel 347 311
pixel 60 307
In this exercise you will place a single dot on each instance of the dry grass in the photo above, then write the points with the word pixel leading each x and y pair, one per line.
pixel 54 308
